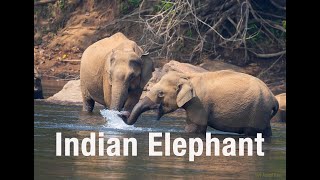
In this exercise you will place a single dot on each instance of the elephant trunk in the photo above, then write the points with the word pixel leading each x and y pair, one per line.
pixel 118 96
pixel 143 105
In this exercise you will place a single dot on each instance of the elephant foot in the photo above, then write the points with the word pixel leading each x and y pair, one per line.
pixel 88 105
pixel 194 128
pixel 267 132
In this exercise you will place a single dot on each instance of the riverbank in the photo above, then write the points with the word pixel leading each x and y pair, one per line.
pixel 64 31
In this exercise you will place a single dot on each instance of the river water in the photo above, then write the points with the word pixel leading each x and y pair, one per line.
pixel 71 122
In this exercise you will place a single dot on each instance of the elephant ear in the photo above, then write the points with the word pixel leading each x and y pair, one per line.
pixel 109 62
pixel 185 93
pixel 146 70
pixel 138 50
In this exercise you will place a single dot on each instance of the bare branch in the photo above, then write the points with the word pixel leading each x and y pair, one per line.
pixel 70 60
pixel 275 62
pixel 269 55
pixel 277 5
pixel 44 2
pixel 208 28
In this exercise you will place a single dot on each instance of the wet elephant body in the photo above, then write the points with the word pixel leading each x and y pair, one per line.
pixel 224 100
pixel 113 73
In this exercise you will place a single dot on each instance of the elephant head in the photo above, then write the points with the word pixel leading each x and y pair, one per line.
pixel 173 91
pixel 127 72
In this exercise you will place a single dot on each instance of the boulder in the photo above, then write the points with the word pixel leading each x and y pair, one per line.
pixel 70 94
pixel 281 114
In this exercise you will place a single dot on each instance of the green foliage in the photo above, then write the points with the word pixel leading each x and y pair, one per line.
pixel 189 33
pixel 62 4
pixel 124 8
pixel 284 24
pixel 278 33
pixel 134 3
pixel 129 5
pixel 163 5
pixel 254 32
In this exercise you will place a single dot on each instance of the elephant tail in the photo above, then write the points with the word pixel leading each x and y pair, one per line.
pixel 275 108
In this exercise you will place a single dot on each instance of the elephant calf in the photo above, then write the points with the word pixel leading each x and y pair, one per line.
pixel 224 100
pixel 113 72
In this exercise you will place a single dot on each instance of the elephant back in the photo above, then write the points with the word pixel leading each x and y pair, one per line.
pixel 238 99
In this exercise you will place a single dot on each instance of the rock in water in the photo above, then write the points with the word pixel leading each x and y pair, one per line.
pixel 70 93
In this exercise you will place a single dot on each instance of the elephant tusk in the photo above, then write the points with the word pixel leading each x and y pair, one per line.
pixel 145 54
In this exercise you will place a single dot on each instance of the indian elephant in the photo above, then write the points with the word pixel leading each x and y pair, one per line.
pixel 37 86
pixel 224 100
pixel 113 72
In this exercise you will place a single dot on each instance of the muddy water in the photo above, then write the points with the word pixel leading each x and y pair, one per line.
pixel 52 118
pixel 51 86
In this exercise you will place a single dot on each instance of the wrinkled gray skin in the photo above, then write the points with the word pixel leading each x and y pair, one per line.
pixel 224 100
pixel 37 86
pixel 113 73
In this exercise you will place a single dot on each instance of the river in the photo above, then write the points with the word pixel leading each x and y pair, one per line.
pixel 71 122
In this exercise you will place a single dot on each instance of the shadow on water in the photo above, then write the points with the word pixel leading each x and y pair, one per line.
pixel 71 122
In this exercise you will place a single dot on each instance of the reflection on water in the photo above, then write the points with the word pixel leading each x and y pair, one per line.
pixel 52 118
pixel 51 86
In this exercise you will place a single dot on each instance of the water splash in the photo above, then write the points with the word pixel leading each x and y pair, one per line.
pixel 114 121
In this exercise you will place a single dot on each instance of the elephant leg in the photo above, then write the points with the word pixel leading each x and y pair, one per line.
pixel 196 119
pixel 194 128
pixel 249 131
pixel 132 100
pixel 267 132
pixel 88 102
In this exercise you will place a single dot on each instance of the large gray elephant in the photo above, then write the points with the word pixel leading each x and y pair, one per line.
pixel 113 73
pixel 225 100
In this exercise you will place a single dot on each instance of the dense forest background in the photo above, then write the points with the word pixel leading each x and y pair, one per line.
pixel 246 33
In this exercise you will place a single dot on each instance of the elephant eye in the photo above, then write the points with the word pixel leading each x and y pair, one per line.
pixel 131 76
pixel 160 94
